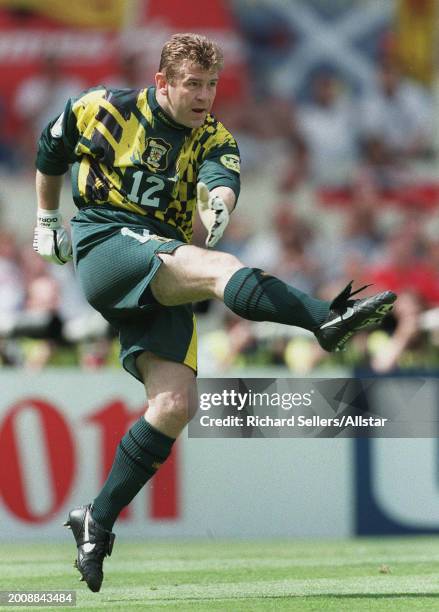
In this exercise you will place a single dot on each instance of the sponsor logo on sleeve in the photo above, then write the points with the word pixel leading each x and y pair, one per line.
pixel 230 161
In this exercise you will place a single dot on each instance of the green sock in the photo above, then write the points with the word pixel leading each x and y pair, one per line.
pixel 258 296
pixel 139 455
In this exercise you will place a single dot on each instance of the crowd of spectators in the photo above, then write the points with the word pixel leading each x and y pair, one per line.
pixel 361 157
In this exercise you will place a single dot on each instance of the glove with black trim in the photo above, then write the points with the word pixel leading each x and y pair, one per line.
pixel 51 240
pixel 213 214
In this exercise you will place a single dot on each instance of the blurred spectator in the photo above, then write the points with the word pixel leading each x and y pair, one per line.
pixel 11 280
pixel 237 235
pixel 12 294
pixel 45 318
pixel 380 171
pixel 404 266
pixel 265 130
pixel 8 157
pixel 39 319
pixel 131 73
pixel 328 129
pixel 39 99
pixel 234 343
pixel 285 250
pixel 406 269
pixel 406 335
pixel 357 245
pixel 396 117
pixel 268 37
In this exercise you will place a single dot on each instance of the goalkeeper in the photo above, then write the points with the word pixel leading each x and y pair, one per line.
pixel 142 162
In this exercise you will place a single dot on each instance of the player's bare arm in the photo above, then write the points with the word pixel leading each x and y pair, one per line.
pixel 48 190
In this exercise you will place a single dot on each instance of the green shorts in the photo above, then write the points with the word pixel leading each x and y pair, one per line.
pixel 115 256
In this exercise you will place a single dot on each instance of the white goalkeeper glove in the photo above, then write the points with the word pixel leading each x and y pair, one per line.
pixel 213 214
pixel 51 240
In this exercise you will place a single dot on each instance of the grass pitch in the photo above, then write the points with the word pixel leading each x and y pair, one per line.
pixel 364 574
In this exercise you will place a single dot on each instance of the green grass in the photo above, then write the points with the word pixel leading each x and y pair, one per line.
pixel 235 576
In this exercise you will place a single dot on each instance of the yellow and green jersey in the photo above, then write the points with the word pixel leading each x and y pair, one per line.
pixel 128 154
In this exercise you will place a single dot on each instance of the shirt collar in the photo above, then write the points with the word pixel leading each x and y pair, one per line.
pixel 161 115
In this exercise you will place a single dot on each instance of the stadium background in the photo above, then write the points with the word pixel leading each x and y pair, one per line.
pixel 339 182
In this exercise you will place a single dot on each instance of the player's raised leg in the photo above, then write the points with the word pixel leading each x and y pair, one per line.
pixel 171 392
pixel 191 274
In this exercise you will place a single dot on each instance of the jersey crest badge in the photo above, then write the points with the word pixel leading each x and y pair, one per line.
pixel 156 152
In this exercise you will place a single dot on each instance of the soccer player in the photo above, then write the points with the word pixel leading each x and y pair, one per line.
pixel 142 162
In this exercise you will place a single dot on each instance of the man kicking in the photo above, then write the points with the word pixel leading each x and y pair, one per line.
pixel 142 162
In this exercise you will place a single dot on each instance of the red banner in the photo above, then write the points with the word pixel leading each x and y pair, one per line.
pixel 56 437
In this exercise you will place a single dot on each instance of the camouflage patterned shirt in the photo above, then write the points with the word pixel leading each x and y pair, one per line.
pixel 128 154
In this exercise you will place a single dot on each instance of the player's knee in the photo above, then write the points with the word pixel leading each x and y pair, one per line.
pixel 227 266
pixel 174 406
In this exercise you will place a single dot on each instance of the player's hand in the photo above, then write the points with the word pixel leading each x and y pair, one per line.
pixel 51 240
pixel 213 214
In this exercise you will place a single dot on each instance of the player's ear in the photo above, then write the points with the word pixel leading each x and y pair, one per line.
pixel 161 83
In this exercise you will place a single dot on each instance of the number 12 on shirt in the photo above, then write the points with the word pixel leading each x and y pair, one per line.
pixel 146 189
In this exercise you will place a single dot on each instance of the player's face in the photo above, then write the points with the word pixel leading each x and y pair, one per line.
pixel 190 95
